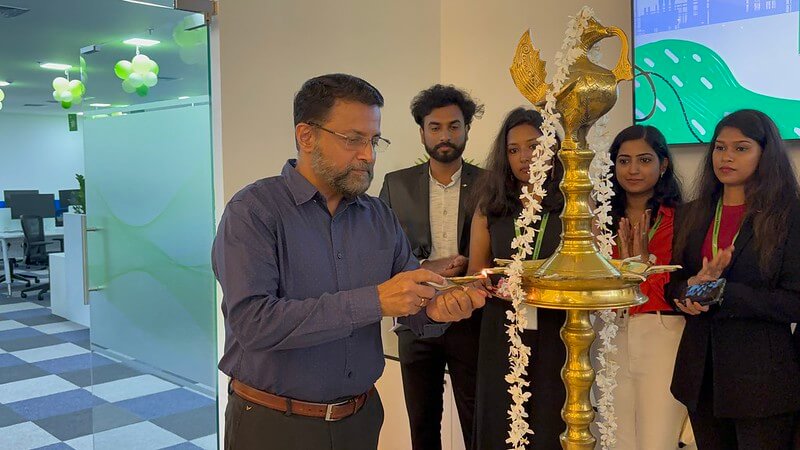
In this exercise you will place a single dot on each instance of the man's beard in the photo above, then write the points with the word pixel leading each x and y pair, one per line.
pixel 437 152
pixel 346 181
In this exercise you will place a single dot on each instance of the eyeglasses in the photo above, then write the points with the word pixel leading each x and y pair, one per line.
pixel 356 143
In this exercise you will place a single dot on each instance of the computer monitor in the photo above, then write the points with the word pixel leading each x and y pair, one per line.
pixel 9 193
pixel 68 197
pixel 32 204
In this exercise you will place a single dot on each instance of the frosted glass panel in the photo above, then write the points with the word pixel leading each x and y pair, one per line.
pixel 150 194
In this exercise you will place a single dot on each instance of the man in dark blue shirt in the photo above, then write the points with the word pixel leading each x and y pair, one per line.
pixel 308 266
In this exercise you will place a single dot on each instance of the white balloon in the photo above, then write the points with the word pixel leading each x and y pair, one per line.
pixel 126 86
pixel 2 95
pixel 60 84
pixel 56 96
pixel 151 65
pixel 136 79
pixel 150 79
pixel 141 64
pixel 73 84
pixel 65 96
pixel 1 106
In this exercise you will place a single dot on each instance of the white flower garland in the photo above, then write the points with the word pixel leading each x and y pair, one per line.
pixel 606 377
pixel 519 353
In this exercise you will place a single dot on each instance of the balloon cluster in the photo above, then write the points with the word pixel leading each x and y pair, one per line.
pixel 68 92
pixel 137 75
pixel 2 96
pixel 191 37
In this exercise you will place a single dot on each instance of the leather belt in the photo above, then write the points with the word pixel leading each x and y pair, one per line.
pixel 665 313
pixel 331 412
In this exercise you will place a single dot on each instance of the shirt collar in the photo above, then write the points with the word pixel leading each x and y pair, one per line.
pixel 453 180
pixel 302 190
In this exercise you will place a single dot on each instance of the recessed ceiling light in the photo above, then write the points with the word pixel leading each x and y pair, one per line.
pixel 4 83
pixel 183 97
pixel 141 42
pixel 100 105
pixel 139 2
pixel 55 66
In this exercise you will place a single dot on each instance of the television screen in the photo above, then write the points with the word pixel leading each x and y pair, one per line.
pixel 699 60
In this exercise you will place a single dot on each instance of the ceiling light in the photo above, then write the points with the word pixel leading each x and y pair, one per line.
pixel 139 2
pixel 100 105
pixel 54 66
pixel 139 42
pixel 183 97
pixel 4 83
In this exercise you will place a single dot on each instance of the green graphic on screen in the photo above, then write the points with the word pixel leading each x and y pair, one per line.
pixel 698 60
pixel 697 91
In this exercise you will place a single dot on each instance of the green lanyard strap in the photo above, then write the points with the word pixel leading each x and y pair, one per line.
pixel 654 228
pixel 539 237
pixel 715 235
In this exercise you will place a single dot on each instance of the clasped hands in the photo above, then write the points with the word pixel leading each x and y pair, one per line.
pixel 406 294
pixel 634 239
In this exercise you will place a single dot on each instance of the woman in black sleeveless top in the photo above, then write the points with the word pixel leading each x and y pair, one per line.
pixel 493 229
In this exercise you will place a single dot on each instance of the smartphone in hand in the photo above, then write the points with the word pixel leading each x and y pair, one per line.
pixel 708 293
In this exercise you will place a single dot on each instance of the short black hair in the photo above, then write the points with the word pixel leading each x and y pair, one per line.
pixel 316 97
pixel 439 96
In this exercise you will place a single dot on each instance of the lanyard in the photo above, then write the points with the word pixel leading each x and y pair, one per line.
pixel 654 228
pixel 539 237
pixel 715 235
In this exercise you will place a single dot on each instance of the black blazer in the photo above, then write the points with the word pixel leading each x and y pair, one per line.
pixel 407 192
pixel 756 366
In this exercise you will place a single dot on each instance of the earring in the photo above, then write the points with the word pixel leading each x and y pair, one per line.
pixel 662 175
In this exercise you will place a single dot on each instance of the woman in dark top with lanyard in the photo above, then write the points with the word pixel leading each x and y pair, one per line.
pixel 492 231
pixel 737 370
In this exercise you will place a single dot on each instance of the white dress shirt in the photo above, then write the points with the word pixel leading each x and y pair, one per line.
pixel 444 215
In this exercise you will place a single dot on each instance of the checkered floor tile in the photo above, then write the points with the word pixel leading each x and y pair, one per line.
pixel 55 393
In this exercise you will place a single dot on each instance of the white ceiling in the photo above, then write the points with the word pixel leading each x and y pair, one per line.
pixel 56 30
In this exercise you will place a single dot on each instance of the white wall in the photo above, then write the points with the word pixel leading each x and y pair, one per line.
pixel 39 152
pixel 267 50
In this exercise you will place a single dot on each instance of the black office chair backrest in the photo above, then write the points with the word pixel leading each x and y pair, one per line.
pixel 35 245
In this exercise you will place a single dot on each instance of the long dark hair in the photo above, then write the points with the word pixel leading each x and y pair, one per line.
pixel 666 192
pixel 498 189
pixel 769 193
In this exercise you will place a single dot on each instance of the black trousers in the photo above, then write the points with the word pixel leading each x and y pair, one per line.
pixel 422 364
pixel 714 433
pixel 253 427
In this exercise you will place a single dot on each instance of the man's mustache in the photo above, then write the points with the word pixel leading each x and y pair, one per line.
pixel 444 144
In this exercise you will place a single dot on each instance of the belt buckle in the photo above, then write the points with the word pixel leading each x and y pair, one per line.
pixel 329 410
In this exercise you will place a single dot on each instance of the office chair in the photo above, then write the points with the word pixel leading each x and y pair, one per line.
pixel 36 256
pixel 18 276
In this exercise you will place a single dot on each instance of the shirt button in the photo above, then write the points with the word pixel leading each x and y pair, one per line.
pixel 339 255
pixel 445 212
pixel 444 234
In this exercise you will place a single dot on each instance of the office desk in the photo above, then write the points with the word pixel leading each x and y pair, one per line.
pixel 6 236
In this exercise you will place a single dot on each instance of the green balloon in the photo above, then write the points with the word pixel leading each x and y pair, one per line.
pixel 84 74
pixel 66 105
pixel 123 69
pixel 142 90
pixel 154 67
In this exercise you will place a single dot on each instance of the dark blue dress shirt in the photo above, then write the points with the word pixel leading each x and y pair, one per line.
pixel 302 315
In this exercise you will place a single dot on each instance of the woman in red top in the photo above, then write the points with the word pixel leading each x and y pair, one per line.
pixel 643 207
pixel 737 370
